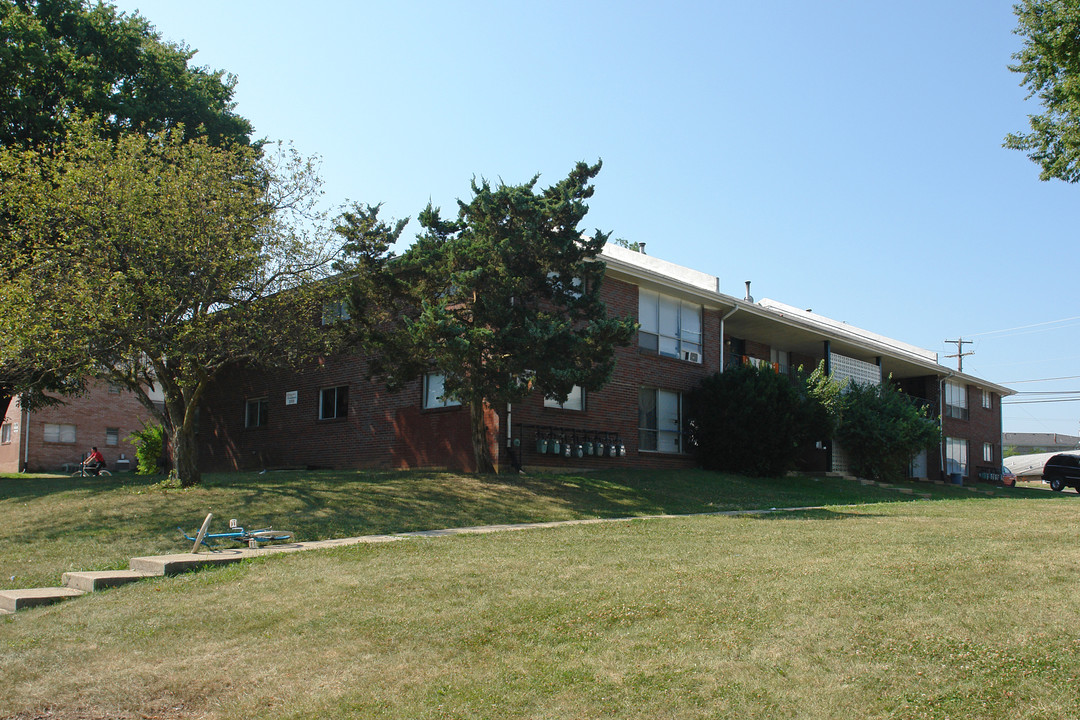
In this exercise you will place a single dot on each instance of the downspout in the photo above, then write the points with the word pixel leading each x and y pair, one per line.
pixel 941 420
pixel 25 436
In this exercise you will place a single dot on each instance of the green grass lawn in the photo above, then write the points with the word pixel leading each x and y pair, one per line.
pixel 50 525
pixel 956 608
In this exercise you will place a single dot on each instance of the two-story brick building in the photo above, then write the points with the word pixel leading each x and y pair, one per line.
pixel 58 436
pixel 330 416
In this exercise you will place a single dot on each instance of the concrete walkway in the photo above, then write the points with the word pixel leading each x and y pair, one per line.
pixel 79 583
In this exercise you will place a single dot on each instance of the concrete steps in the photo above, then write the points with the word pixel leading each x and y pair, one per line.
pixel 99 580
pixel 15 600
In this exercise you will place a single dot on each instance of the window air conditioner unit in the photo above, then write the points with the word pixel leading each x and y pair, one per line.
pixel 691 356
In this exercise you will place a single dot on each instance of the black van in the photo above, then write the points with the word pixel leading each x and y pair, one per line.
pixel 1062 471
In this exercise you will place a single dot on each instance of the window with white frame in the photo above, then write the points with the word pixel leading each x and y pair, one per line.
pixel 574 401
pixel 660 421
pixel 956 456
pixel 988 400
pixel 59 433
pixel 669 326
pixel 334 402
pixel 5 434
pixel 435 392
pixel 988 452
pixel 956 405
pixel 257 412
pixel 112 436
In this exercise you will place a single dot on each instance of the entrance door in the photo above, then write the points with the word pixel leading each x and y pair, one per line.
pixel 918 466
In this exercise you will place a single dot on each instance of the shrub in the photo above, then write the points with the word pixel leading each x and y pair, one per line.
pixel 149 445
pixel 881 429
pixel 751 421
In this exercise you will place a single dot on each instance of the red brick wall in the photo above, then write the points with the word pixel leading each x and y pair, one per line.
pixel 614 408
pixel 382 429
pixel 982 426
pixel 91 414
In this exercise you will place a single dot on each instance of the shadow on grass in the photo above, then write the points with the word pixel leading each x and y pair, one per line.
pixel 34 486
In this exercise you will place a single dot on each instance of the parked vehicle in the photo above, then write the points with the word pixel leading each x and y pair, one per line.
pixel 1008 477
pixel 1062 471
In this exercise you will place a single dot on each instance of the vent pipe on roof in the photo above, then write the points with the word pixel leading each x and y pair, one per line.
pixel 748 297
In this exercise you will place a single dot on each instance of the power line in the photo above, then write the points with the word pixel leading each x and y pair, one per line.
pixel 1036 402
pixel 1018 382
pixel 1023 327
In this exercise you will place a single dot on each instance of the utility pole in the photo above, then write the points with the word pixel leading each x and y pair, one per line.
pixel 960 354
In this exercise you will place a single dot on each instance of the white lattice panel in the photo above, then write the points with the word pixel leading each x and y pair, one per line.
pixel 859 371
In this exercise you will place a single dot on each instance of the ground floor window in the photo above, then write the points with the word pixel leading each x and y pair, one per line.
pixel 257 413
pixel 112 436
pixel 660 421
pixel 434 392
pixel 334 403
pixel 5 433
pixel 59 433
pixel 956 456
pixel 988 452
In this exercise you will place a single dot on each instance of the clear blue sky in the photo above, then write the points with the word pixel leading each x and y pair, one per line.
pixel 844 156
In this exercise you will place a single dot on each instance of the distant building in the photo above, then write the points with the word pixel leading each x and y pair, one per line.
pixel 58 437
pixel 1031 443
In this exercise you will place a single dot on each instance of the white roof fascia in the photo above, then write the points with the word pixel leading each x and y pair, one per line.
pixel 660 271
pixel 849 331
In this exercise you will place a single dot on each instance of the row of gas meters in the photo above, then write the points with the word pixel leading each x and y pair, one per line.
pixel 573 448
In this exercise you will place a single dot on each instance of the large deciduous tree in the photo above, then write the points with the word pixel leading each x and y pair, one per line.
pixel 61 58
pixel 156 261
pixel 1050 63
pixel 503 301
pixel 68 61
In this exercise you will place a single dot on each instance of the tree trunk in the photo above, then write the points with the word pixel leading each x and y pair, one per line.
pixel 481 449
pixel 185 457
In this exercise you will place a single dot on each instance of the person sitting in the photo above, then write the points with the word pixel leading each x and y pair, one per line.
pixel 94 462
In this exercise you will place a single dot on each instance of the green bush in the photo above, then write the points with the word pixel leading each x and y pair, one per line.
pixel 752 421
pixel 149 445
pixel 881 429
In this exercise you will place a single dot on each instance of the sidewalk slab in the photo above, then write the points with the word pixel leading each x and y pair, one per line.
pixel 182 562
pixel 99 580
pixel 14 600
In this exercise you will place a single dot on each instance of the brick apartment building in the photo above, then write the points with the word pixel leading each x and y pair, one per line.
pixel 59 436
pixel 329 416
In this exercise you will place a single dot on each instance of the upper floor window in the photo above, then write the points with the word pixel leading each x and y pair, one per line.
pixel 434 392
pixel 334 311
pixel 988 400
pixel 334 403
pixel 574 401
pixel 257 412
pixel 669 326
pixel 956 405
pixel 59 433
